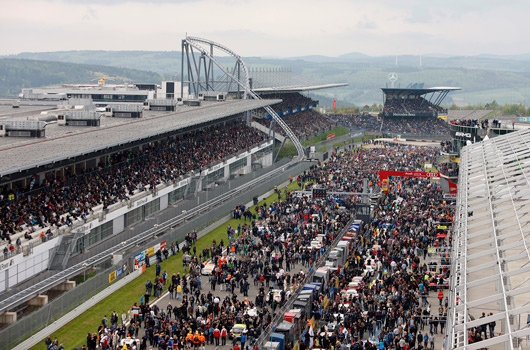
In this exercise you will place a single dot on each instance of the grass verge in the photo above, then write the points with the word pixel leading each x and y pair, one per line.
pixel 338 131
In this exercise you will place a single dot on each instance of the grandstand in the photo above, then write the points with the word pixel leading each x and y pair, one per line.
pixel 298 112
pixel 78 162
pixel 414 102
pixel 414 111
pixel 466 114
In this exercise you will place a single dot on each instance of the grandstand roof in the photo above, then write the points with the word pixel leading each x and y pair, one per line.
pixel 491 255
pixel 417 92
pixel 64 142
pixel 273 80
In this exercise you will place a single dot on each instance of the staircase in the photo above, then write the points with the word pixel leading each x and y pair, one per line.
pixel 64 250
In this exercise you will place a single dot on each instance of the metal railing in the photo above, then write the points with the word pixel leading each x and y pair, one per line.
pixel 49 313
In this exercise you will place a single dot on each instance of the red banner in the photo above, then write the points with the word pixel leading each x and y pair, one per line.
pixel 384 174
pixel 334 104
pixel 452 187
pixel 330 136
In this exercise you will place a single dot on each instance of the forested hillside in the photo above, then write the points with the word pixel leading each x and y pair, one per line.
pixel 483 79
pixel 16 74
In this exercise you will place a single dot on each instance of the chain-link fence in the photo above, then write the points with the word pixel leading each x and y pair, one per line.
pixel 46 315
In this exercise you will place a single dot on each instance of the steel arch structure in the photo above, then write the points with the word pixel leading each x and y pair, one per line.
pixel 200 77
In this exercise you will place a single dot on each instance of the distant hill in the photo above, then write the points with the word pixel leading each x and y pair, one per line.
pixel 16 74
pixel 505 78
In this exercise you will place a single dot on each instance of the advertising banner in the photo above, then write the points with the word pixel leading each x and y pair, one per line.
pixel 112 276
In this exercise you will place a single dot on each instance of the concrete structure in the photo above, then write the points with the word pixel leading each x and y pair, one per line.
pixel 68 285
pixel 39 300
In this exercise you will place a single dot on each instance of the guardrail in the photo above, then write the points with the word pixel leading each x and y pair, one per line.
pixel 40 287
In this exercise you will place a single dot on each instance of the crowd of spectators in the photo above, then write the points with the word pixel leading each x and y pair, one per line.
pixel 58 201
pixel 358 121
pixel 393 125
pixel 415 126
pixel 267 252
pixel 290 101
pixel 481 124
pixel 472 123
pixel 391 309
pixel 410 105
pixel 365 164
pixel 304 124
pixel 393 306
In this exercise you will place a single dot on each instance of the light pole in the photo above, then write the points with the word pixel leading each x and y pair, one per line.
pixel 84 271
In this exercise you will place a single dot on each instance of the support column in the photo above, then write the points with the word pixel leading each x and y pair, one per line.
pixel 68 285
pixel 39 300
pixel 8 318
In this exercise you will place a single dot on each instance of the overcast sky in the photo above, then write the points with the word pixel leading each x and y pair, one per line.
pixel 278 28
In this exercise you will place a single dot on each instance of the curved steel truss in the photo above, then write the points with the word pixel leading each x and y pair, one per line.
pixel 198 67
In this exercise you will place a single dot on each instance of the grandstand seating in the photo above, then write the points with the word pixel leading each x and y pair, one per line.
pixel 410 105
pixel 416 126
pixel 361 121
pixel 408 126
pixel 304 124
pixel 59 202
pixel 289 101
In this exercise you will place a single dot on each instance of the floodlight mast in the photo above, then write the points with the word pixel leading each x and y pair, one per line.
pixel 243 82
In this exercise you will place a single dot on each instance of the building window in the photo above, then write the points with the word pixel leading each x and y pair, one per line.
pixel 238 164
pixel 214 176
pixel 152 207
pixel 177 195
pixel 134 216
pixel 94 236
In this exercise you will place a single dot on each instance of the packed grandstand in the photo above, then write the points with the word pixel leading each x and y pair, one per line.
pixel 412 126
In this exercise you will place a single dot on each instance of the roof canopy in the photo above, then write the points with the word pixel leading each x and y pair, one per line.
pixel 402 92
pixel 281 80
pixel 491 256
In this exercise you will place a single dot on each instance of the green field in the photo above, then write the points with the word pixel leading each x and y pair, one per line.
pixel 74 334
pixel 289 150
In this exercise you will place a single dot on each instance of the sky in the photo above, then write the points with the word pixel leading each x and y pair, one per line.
pixel 269 28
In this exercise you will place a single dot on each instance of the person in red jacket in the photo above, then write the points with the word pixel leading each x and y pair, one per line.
pixel 223 336
pixel 440 296
pixel 236 347
pixel 216 335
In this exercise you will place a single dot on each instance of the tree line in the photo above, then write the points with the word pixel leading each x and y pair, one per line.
pixel 506 109
pixel 16 74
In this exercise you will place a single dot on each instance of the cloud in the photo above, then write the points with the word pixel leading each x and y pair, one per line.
pixel 367 24
pixel 90 14
pixel 268 28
